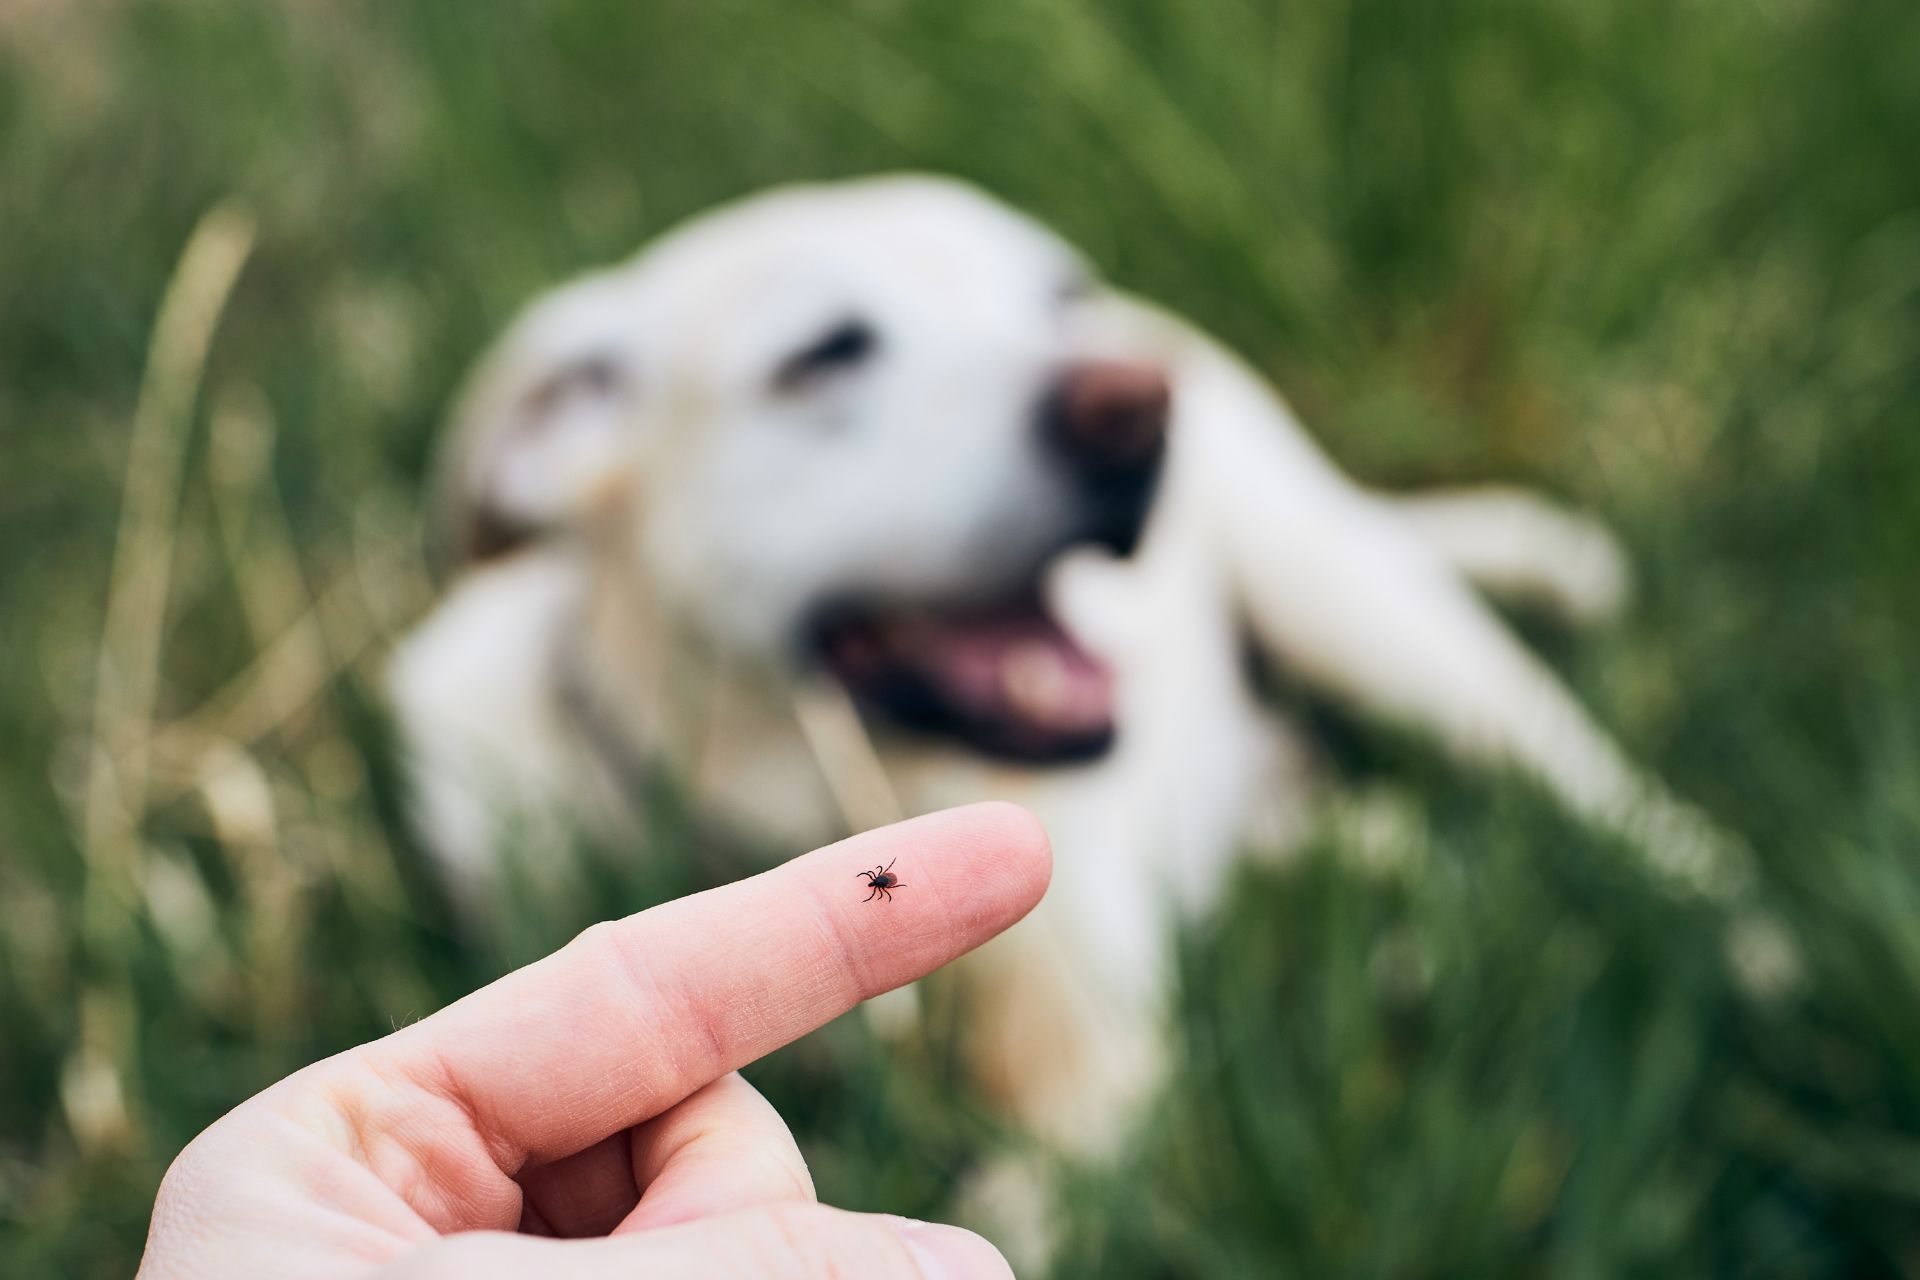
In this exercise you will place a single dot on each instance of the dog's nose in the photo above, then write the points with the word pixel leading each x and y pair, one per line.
pixel 1110 416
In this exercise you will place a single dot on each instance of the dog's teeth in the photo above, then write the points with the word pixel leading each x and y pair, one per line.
pixel 1036 681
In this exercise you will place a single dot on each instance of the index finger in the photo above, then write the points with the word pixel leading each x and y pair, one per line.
pixel 636 1014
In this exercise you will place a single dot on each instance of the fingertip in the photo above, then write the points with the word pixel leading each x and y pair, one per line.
pixel 941 1252
pixel 1007 857
pixel 1021 842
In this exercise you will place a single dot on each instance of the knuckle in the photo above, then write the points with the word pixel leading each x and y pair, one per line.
pixel 601 938
pixel 608 948
pixel 775 1169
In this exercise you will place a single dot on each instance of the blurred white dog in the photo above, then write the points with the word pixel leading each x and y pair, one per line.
pixel 859 500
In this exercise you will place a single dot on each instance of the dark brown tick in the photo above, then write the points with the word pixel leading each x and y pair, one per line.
pixel 882 881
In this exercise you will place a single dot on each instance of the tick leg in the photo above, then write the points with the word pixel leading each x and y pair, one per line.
pixel 888 867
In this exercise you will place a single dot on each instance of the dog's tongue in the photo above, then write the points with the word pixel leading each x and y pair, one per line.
pixel 1010 680
pixel 1023 669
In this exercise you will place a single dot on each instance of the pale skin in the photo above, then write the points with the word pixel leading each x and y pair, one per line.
pixel 582 1116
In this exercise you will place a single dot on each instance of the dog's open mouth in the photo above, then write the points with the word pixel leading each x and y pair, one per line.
pixel 1006 680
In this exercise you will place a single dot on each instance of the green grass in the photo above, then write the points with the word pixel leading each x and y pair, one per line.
pixel 1661 259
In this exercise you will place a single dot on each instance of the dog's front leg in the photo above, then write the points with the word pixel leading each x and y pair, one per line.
pixel 1351 599
pixel 1518 546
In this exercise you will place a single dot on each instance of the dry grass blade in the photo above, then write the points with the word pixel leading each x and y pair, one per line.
pixel 846 756
pixel 128 666
pixel 288 675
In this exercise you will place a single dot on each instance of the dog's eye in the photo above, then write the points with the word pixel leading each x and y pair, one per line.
pixel 844 346
pixel 591 377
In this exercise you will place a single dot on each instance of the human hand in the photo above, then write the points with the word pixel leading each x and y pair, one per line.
pixel 581 1118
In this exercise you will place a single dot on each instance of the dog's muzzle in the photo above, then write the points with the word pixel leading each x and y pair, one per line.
pixel 1004 677
pixel 1106 423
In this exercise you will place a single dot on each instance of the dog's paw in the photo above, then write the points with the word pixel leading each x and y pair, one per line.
pixel 1590 578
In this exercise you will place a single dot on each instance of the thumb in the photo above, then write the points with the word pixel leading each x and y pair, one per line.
pixel 782 1242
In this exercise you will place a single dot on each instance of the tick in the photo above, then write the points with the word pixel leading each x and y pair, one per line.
pixel 882 880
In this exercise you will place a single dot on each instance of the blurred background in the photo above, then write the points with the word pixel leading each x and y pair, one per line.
pixel 1663 260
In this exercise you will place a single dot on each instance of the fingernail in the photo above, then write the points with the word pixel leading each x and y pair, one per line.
pixel 948 1253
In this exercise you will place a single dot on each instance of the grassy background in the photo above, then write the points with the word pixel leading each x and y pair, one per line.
pixel 1661 259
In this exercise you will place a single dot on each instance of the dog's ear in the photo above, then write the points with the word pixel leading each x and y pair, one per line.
pixel 542 433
